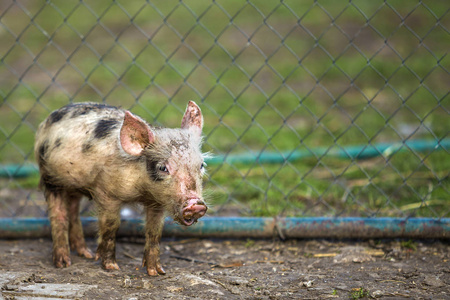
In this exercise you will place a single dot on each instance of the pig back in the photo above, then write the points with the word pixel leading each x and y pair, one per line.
pixel 75 143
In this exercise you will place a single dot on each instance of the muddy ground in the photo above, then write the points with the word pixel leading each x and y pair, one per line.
pixel 235 269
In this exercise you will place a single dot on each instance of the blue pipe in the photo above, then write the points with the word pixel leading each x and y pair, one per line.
pixel 349 152
pixel 239 227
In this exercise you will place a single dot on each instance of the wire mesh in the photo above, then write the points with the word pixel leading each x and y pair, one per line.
pixel 272 78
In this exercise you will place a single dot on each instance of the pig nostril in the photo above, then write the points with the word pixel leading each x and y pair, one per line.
pixel 189 221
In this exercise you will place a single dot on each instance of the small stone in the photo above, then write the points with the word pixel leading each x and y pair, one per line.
pixel 236 280
pixel 174 289
pixel 126 282
pixel 352 254
pixel 234 290
pixel 377 294
pixel 432 280
pixel 147 284
pixel 308 283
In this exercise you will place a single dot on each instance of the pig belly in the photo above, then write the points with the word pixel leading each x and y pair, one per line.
pixel 71 170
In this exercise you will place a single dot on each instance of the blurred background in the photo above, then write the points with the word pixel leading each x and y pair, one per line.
pixel 312 108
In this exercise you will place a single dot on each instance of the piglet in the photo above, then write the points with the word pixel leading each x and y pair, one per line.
pixel 114 158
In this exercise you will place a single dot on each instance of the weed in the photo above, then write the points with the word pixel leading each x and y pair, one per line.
pixel 409 244
pixel 249 243
pixel 358 293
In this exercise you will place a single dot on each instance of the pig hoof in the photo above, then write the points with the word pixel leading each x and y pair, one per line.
pixel 85 252
pixel 62 261
pixel 61 258
pixel 155 271
pixel 111 266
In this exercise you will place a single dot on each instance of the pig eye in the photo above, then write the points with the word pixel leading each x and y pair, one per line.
pixel 202 166
pixel 163 169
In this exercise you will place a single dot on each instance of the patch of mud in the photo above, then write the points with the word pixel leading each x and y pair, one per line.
pixel 235 269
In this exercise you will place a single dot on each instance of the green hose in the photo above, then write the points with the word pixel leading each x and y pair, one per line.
pixel 349 152
pixel 18 170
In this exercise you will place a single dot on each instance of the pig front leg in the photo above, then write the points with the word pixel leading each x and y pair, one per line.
pixel 108 223
pixel 153 231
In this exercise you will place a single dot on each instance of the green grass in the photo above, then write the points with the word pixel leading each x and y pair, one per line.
pixel 359 293
pixel 298 84
pixel 409 244
pixel 338 187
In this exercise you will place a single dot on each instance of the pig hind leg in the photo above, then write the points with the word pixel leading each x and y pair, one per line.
pixel 59 221
pixel 76 237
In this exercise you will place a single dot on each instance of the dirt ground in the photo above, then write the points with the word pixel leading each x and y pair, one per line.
pixel 235 269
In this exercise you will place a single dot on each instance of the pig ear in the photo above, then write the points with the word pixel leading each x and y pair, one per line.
pixel 135 134
pixel 193 119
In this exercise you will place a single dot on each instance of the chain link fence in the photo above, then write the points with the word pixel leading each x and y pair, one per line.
pixel 312 108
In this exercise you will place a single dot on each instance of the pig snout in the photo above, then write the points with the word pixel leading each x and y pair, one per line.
pixel 194 209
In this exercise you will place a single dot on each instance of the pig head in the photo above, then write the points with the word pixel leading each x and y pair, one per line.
pixel 174 163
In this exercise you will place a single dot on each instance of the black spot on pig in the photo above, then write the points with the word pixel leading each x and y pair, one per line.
pixel 42 151
pixel 79 112
pixel 86 147
pixel 104 106
pixel 56 116
pixel 104 128
pixel 80 109
pixel 57 142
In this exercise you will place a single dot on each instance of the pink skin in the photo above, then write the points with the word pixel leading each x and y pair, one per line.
pixel 194 210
